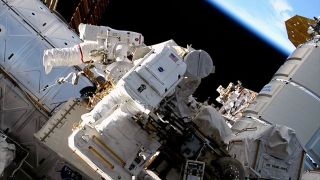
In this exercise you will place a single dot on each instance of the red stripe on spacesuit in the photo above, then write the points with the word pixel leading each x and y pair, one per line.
pixel 81 55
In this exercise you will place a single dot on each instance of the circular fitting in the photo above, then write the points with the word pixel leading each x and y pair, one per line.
pixel 2 30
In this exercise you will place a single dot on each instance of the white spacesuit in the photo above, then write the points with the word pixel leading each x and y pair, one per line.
pixel 155 75
pixel 7 153
pixel 141 89
pixel 158 71
pixel 152 78
pixel 100 44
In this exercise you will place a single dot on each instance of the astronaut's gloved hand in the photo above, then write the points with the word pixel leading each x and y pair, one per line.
pixel 87 118
pixel 102 55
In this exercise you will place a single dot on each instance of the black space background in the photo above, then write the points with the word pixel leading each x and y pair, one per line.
pixel 237 53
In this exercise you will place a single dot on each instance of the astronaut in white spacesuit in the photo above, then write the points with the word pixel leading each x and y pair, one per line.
pixel 159 71
pixel 100 44
pixel 156 72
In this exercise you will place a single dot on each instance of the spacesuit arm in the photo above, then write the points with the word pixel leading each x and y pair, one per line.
pixel 72 56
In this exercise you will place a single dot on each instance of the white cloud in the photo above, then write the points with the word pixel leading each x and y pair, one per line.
pixel 271 27
pixel 282 8
pixel 282 12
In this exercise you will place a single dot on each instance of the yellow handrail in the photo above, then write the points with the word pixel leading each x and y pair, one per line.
pixel 109 149
pixel 110 165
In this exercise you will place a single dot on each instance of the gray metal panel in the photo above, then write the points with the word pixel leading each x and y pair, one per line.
pixel 314 146
pixel 300 103
pixel 303 68
pixel 34 12
pixel 299 53
pixel 296 109
pixel 23 38
pixel 26 130
pixel 14 107
pixel 19 116
pixel 263 99
pixel 287 104
pixel 44 22
pixel 21 49
pixel 308 75
pixel 22 119
pixel 311 175
pixel 56 131
pixel 287 68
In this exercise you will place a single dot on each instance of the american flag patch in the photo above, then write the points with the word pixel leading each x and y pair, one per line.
pixel 173 57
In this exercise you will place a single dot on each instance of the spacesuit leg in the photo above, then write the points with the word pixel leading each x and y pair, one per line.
pixel 104 107
pixel 124 112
